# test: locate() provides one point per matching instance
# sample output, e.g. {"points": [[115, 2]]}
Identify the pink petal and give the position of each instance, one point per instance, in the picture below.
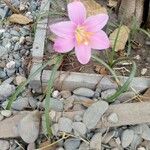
{"points": [[77, 12], [62, 45], [100, 40], [63, 29], [95, 23], [83, 53]]}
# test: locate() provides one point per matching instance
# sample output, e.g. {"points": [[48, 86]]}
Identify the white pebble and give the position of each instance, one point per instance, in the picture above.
{"points": [[55, 94], [11, 65], [143, 71], [6, 113]]}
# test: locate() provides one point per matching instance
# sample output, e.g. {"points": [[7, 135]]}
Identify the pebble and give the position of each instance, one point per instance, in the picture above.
{"points": [[65, 124], [55, 129], [55, 94], [55, 104], [95, 142], [136, 141], [94, 113], [19, 79], [113, 118], [60, 148], [68, 103], [32, 102], [77, 118], [31, 146], [144, 71], [21, 103], [84, 146], [127, 137], [29, 127], [3, 50], [14, 33], [107, 137], [72, 144], [145, 132], [4, 145], [65, 94], [79, 128], [107, 93], [84, 92], [10, 72], [1, 117], [6, 113], [21, 40]]}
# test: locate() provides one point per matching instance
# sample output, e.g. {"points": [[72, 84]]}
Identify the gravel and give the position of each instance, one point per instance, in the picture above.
{"points": [[71, 144]]}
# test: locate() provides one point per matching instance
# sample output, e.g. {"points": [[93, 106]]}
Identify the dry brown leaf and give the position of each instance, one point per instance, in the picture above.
{"points": [[20, 19], [112, 3], [92, 7], [47, 146], [122, 38]]}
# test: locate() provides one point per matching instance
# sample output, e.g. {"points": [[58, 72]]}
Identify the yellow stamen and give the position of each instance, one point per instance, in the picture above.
{"points": [[82, 35]]}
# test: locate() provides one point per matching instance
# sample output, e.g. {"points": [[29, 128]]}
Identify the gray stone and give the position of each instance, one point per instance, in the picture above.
{"points": [[79, 128], [84, 146], [71, 144], [10, 72], [95, 142], [2, 74], [55, 129], [31, 146], [145, 132], [6, 113], [29, 127], [4, 145], [65, 124], [17, 46], [65, 94], [55, 94], [84, 92], [127, 137], [107, 93], [137, 140], [3, 51], [6, 93], [7, 35], [55, 104], [21, 103], [14, 33], [94, 113], [68, 103], [32, 102], [113, 118], [107, 137], [77, 118]]}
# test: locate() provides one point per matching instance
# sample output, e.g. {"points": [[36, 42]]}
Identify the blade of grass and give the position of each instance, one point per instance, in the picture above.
{"points": [[49, 92], [21, 87]]}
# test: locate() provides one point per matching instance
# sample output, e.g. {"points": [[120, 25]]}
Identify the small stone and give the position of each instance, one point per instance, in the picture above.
{"points": [[19, 79], [10, 72], [143, 71], [68, 103], [55, 129], [29, 127], [31, 146], [3, 51], [127, 137], [79, 128], [6, 113], [52, 114], [4, 145], [65, 124], [141, 148], [21, 40], [32, 102], [1, 117], [94, 113], [65, 94], [84, 92], [137, 140], [14, 32], [71, 144], [11, 65], [145, 132], [84, 146], [77, 118], [20, 104], [60, 148], [95, 142], [107, 93], [55, 94], [108, 137], [113, 118]]}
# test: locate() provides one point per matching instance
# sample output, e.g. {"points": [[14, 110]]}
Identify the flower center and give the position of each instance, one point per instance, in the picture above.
{"points": [[82, 35]]}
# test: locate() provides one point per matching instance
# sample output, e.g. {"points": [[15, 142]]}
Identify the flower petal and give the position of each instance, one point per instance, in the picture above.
{"points": [[62, 45], [100, 40], [95, 23], [63, 29], [83, 53], [77, 12]]}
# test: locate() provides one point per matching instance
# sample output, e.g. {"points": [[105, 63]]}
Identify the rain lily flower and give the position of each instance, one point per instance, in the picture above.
{"points": [[80, 32]]}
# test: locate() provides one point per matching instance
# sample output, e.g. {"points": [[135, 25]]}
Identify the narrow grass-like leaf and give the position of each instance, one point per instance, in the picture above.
{"points": [[125, 85], [49, 92]]}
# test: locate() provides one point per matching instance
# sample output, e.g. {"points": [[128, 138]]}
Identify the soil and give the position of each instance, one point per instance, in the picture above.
{"points": [[140, 53]]}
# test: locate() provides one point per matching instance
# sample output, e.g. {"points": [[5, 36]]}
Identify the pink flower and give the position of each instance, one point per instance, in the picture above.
{"points": [[81, 33]]}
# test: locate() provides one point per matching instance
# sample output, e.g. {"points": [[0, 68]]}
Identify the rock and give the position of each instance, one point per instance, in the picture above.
{"points": [[10, 72], [145, 132], [2, 74], [84, 92], [21, 40], [55, 104], [137, 140], [84, 146], [6, 113], [77, 118], [107, 137], [68, 103], [107, 93], [32, 102], [14, 33], [54, 129], [19, 79], [127, 137], [29, 127], [71, 144], [1, 117], [3, 50], [65, 94], [60, 148], [20, 104], [113, 118], [55, 94], [79, 128], [4, 145], [95, 142], [65, 125], [94, 113], [31, 146]]}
